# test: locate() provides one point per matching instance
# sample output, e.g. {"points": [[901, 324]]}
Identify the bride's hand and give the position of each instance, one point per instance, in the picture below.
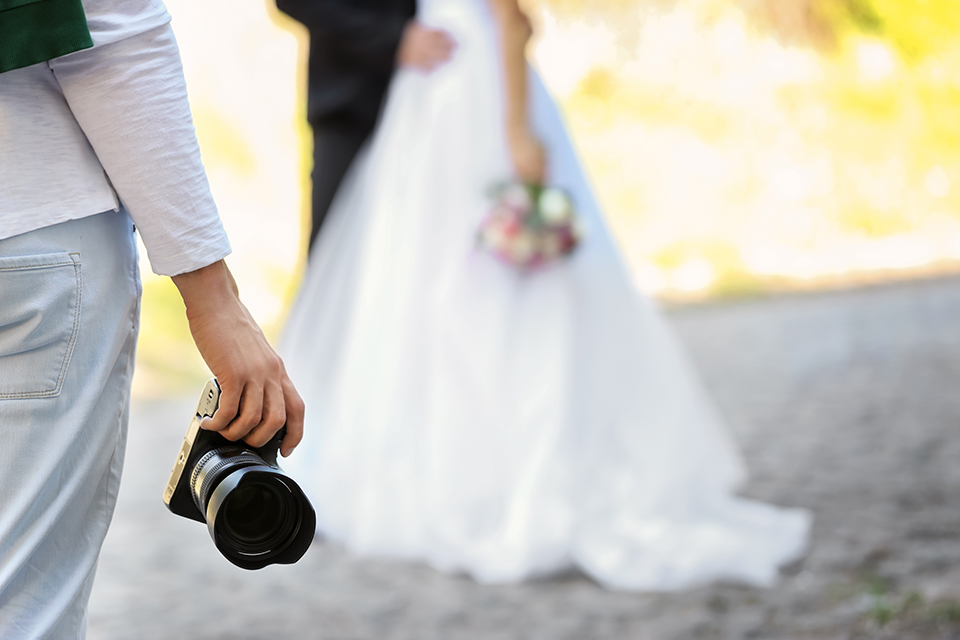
{"points": [[528, 155]]}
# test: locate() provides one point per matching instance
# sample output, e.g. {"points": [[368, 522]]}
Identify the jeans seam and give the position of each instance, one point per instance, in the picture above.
{"points": [[31, 267]]}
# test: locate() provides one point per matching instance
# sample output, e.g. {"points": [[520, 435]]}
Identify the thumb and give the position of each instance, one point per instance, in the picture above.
{"points": [[226, 410]]}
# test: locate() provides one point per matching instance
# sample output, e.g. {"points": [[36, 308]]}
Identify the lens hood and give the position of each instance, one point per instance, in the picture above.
{"points": [[259, 516]]}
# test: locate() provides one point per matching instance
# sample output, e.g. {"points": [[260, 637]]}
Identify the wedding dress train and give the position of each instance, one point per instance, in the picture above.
{"points": [[500, 424]]}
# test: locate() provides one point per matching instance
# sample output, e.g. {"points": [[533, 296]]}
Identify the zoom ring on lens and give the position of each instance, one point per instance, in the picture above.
{"points": [[210, 477]]}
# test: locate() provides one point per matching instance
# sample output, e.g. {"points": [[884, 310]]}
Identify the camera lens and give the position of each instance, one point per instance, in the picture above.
{"points": [[258, 517], [253, 514]]}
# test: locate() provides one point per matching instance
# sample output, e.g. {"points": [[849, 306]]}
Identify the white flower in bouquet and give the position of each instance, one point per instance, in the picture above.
{"points": [[555, 206]]}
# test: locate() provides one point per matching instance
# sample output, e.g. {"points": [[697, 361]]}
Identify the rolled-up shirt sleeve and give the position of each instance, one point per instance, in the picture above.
{"points": [[130, 99]]}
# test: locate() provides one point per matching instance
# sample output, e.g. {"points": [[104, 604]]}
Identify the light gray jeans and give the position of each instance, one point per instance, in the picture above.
{"points": [[69, 314]]}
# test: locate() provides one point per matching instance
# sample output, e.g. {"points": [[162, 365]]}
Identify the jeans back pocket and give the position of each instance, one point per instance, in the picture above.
{"points": [[40, 298]]}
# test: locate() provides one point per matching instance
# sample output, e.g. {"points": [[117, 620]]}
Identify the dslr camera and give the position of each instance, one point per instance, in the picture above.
{"points": [[256, 514]]}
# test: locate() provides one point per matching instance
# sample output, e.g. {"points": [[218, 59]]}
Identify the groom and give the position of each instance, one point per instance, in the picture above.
{"points": [[355, 45]]}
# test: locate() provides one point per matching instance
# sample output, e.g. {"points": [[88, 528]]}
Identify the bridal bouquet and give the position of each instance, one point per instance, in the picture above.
{"points": [[530, 225]]}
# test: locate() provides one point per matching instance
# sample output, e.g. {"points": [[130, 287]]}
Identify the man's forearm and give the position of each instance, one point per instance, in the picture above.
{"points": [[207, 286], [258, 397]]}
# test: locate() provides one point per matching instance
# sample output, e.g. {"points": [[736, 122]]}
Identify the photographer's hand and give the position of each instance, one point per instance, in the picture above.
{"points": [[257, 397]]}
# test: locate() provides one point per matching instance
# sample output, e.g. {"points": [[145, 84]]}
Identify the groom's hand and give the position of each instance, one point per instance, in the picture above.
{"points": [[257, 396], [424, 48]]}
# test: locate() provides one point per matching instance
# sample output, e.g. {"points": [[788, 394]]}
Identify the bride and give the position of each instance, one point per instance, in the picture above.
{"points": [[501, 424]]}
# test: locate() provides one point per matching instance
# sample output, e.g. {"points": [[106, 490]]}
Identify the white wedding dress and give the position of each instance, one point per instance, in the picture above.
{"points": [[499, 424]]}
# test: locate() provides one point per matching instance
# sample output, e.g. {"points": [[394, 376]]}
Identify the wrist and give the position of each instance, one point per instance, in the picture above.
{"points": [[517, 129], [209, 286]]}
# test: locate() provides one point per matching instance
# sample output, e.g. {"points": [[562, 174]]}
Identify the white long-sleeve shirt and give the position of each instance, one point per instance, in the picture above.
{"points": [[111, 124]]}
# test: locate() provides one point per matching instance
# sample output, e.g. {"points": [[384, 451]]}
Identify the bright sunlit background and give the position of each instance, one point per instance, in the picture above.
{"points": [[738, 146]]}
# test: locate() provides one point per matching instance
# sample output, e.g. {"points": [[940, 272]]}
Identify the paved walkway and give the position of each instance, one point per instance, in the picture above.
{"points": [[846, 403]]}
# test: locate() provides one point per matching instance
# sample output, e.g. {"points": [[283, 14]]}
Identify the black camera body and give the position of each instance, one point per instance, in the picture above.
{"points": [[256, 514]]}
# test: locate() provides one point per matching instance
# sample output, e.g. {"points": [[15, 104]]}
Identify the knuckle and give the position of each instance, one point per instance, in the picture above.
{"points": [[244, 424], [297, 407], [228, 406], [275, 419], [275, 363], [232, 434]]}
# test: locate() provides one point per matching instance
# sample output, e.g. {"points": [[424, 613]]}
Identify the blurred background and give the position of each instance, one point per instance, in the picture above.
{"points": [[742, 150], [739, 147]]}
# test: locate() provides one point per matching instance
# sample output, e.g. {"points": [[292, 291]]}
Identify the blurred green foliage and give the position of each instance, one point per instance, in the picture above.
{"points": [[919, 28], [862, 147]]}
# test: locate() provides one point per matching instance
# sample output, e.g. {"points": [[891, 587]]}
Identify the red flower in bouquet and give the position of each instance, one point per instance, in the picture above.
{"points": [[530, 225]]}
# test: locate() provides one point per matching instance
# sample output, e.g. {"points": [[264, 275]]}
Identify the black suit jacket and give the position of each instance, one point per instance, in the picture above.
{"points": [[353, 47]]}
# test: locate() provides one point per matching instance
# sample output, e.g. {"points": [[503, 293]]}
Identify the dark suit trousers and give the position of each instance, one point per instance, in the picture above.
{"points": [[334, 148]]}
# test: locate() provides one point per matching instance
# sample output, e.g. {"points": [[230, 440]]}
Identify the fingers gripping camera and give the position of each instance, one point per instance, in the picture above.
{"points": [[256, 514]]}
